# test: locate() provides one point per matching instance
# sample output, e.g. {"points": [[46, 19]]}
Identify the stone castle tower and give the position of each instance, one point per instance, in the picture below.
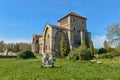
{"points": [[72, 27]]}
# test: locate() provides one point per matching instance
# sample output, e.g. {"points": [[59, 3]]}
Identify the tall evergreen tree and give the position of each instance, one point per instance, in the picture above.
{"points": [[106, 46], [91, 47], [83, 45], [63, 47]]}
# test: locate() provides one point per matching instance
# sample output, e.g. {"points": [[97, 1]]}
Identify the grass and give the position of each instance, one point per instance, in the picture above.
{"points": [[30, 69]]}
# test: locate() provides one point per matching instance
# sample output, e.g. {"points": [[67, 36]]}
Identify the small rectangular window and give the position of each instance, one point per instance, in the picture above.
{"points": [[37, 41], [83, 22], [74, 20]]}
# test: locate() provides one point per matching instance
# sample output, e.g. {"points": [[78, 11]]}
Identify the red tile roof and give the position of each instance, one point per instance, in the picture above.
{"points": [[37, 35], [58, 27], [72, 14]]}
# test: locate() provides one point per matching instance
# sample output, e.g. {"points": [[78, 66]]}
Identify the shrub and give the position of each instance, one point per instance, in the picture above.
{"points": [[80, 54], [85, 55], [105, 55], [102, 50], [108, 55], [91, 48], [73, 56], [25, 54]]}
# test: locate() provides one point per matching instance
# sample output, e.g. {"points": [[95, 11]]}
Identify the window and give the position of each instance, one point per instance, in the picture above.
{"points": [[83, 22], [37, 41], [74, 20], [33, 40], [74, 28], [48, 36]]}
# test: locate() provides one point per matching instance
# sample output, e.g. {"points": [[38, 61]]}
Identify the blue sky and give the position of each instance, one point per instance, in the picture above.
{"points": [[19, 19]]}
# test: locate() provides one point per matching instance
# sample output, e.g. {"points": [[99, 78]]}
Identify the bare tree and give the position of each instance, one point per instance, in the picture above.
{"points": [[113, 33]]}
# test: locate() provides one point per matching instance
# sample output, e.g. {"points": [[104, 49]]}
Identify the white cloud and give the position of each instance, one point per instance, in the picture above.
{"points": [[98, 41], [16, 40]]}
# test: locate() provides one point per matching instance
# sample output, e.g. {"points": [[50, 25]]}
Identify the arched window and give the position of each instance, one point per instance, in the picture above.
{"points": [[74, 28], [37, 41]]}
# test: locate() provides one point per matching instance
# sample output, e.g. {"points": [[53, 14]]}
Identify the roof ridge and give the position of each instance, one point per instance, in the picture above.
{"points": [[38, 35], [73, 14]]}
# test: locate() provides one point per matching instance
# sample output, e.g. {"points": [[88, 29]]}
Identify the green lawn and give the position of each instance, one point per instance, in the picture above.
{"points": [[30, 69]]}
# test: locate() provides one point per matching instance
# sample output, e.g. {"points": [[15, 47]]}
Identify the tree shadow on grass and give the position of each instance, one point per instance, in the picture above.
{"points": [[52, 67], [8, 56]]}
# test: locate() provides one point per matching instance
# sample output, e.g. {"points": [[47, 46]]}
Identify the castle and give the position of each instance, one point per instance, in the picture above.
{"points": [[72, 27]]}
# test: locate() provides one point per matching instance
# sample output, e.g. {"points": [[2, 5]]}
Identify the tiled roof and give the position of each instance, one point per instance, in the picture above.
{"points": [[58, 27], [72, 14], [37, 35]]}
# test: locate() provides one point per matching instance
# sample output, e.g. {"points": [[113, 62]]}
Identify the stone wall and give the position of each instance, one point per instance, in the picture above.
{"points": [[72, 28], [35, 43]]}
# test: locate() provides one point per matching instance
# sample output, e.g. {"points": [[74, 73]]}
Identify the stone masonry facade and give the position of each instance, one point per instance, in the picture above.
{"points": [[72, 27]]}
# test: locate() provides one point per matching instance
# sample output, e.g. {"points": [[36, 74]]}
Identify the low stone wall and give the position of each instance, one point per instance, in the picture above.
{"points": [[11, 54], [1, 53], [8, 53]]}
